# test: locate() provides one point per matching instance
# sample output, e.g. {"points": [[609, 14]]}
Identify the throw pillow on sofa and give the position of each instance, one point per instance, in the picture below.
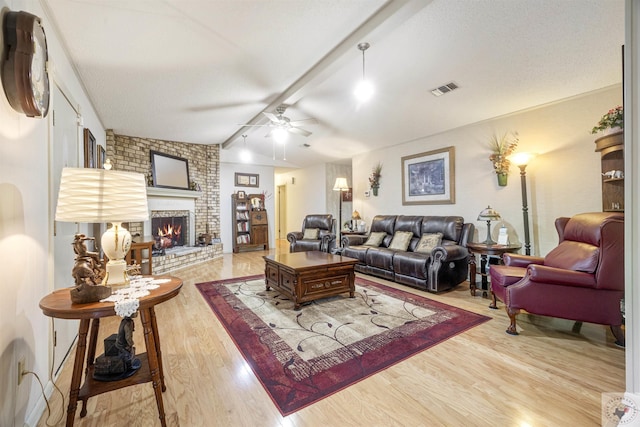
{"points": [[428, 241], [311, 234], [401, 240], [375, 239]]}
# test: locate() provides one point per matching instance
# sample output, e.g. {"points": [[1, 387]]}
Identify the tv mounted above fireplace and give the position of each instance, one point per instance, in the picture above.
{"points": [[169, 171]]}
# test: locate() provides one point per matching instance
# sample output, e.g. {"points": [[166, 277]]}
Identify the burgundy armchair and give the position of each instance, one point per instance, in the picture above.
{"points": [[581, 279]]}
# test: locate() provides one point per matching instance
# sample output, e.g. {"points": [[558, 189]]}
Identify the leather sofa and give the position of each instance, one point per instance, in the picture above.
{"points": [[445, 267], [324, 238], [582, 279]]}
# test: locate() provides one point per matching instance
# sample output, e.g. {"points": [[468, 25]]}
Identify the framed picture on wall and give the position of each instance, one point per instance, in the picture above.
{"points": [[89, 149], [169, 171], [247, 179], [102, 157], [347, 196], [429, 178]]}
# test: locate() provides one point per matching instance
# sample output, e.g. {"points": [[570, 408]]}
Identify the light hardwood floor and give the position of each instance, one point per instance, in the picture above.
{"points": [[547, 376]]}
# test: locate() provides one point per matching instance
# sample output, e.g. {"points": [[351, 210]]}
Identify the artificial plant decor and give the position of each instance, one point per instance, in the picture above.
{"points": [[502, 147], [374, 179], [613, 119]]}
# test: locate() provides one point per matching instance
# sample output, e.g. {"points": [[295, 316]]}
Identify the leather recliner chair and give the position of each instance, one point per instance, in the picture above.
{"points": [[581, 279], [324, 241]]}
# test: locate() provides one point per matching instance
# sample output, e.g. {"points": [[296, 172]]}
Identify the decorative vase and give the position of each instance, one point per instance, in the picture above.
{"points": [[502, 179], [375, 190], [611, 130]]}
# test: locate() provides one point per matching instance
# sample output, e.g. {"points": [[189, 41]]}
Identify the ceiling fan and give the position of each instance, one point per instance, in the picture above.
{"points": [[279, 122]]}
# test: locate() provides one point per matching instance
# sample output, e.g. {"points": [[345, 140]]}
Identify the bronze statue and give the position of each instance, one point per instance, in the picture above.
{"points": [[88, 273]]}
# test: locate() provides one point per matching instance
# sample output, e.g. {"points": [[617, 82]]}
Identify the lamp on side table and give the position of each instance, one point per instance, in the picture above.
{"points": [[94, 196], [489, 214]]}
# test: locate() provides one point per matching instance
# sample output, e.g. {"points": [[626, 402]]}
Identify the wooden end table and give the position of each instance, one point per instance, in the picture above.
{"points": [[58, 305], [486, 252], [308, 276]]}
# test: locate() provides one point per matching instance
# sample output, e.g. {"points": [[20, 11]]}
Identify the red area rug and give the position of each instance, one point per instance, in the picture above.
{"points": [[303, 356]]}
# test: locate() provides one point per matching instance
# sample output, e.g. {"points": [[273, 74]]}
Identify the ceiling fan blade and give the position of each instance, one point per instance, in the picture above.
{"points": [[299, 131], [310, 121], [248, 125], [272, 117]]}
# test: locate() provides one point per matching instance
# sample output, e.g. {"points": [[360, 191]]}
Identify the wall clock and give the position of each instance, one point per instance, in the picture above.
{"points": [[24, 66]]}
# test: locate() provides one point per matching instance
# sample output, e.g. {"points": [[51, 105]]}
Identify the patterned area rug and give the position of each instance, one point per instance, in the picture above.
{"points": [[303, 356]]}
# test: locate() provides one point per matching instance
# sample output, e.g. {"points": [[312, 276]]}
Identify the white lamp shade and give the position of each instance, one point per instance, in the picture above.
{"points": [[521, 159], [341, 184], [98, 195]]}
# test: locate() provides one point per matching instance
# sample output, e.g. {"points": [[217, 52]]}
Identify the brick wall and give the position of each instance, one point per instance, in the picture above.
{"points": [[128, 153]]}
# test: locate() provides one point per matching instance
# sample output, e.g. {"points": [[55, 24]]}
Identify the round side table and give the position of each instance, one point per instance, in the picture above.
{"points": [[58, 305], [486, 252]]}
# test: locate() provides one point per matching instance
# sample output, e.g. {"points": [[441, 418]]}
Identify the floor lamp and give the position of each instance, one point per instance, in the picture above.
{"points": [[340, 185], [522, 160]]}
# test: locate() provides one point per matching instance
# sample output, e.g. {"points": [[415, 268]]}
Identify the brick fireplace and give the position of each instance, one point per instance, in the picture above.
{"points": [[170, 229], [201, 208]]}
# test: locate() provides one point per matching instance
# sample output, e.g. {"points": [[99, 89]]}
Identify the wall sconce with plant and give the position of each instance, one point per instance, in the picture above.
{"points": [[612, 121], [374, 179], [502, 147]]}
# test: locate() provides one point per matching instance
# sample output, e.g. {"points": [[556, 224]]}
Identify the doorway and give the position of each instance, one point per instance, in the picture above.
{"points": [[64, 153]]}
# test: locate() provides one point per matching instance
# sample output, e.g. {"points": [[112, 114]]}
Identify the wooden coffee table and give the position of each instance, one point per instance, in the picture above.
{"points": [[307, 276]]}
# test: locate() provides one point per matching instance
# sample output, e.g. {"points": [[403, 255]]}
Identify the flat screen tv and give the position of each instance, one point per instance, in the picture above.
{"points": [[169, 171]]}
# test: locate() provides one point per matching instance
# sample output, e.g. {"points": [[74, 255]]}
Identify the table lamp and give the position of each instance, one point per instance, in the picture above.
{"points": [[98, 195], [355, 220], [488, 214]]}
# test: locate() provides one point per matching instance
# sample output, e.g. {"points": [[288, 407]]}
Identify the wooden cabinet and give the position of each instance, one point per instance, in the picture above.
{"points": [[611, 149], [259, 228], [250, 225]]}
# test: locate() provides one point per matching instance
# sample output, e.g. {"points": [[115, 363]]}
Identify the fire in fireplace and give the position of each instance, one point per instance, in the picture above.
{"points": [[168, 232]]}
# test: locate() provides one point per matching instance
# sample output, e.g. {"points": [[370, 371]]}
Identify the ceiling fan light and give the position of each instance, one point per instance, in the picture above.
{"points": [[363, 91], [279, 134]]}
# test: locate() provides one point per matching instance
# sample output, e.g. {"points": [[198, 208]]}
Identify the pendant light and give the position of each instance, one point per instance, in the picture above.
{"points": [[245, 154], [364, 89]]}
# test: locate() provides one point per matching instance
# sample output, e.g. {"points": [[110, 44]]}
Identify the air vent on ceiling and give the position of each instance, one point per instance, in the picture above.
{"points": [[444, 89]]}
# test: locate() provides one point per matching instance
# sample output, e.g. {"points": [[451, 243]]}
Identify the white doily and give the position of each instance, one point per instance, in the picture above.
{"points": [[127, 300]]}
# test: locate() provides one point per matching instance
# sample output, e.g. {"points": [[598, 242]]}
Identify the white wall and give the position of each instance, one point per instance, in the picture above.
{"points": [[563, 180], [25, 230], [306, 194], [227, 188]]}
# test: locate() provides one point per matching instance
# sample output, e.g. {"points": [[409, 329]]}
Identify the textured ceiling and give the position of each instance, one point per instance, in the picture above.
{"points": [[192, 71]]}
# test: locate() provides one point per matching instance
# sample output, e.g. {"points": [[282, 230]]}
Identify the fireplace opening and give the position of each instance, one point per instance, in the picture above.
{"points": [[169, 232]]}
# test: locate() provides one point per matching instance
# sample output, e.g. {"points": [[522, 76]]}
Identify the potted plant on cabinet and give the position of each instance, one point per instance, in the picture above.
{"points": [[501, 148], [612, 121]]}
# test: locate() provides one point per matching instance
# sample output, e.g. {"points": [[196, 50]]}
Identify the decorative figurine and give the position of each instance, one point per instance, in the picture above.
{"points": [[88, 272]]}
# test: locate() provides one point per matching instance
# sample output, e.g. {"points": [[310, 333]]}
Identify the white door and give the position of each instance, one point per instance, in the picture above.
{"points": [[64, 153]]}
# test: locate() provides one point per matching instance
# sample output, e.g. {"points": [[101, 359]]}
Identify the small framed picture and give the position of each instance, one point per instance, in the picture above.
{"points": [[347, 196], [89, 149], [247, 179], [241, 194], [102, 157]]}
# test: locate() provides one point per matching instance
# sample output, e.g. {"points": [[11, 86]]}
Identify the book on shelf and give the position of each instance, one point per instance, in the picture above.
{"points": [[243, 239]]}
